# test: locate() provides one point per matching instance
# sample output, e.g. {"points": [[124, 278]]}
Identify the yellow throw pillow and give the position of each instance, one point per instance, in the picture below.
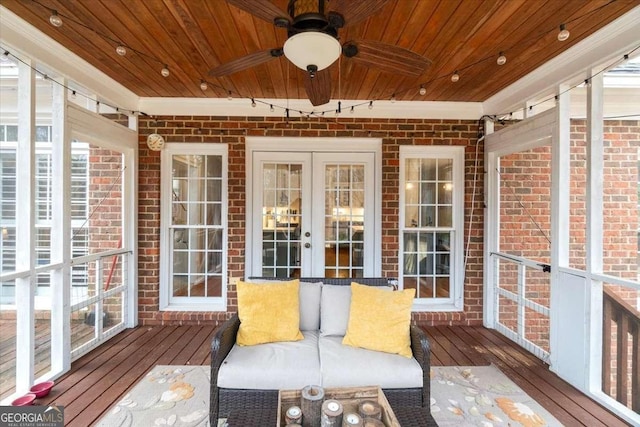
{"points": [[380, 320], [268, 312]]}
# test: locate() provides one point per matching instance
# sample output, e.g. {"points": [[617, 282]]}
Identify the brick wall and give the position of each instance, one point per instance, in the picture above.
{"points": [[232, 131], [105, 222]]}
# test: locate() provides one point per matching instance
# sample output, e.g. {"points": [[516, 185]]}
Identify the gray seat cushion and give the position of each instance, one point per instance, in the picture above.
{"points": [[272, 366], [346, 366]]}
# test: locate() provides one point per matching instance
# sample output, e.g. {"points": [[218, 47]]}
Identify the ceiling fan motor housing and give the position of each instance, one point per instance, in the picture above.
{"points": [[312, 44], [307, 14]]}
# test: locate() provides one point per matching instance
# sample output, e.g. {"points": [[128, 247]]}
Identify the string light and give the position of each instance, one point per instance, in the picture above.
{"points": [[271, 108], [5, 57], [501, 59], [253, 103], [352, 110], [563, 34], [121, 50], [165, 71], [229, 96], [422, 90], [55, 19], [370, 105], [393, 98], [455, 76], [203, 85]]}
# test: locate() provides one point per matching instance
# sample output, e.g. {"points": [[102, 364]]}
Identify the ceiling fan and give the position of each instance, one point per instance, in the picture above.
{"points": [[313, 42]]}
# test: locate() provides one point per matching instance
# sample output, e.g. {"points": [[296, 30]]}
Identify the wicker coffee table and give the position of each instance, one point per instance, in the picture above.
{"points": [[408, 416]]}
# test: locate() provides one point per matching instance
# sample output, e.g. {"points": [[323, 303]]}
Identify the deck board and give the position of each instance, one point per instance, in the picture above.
{"points": [[98, 380]]}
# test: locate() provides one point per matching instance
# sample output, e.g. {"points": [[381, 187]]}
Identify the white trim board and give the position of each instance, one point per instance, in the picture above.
{"points": [[242, 107]]}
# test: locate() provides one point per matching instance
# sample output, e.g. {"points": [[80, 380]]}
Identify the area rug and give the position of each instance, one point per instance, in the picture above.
{"points": [[167, 396], [483, 396]]}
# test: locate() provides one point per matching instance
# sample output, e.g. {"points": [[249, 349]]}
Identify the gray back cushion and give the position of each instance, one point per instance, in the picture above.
{"points": [[334, 315], [310, 306]]}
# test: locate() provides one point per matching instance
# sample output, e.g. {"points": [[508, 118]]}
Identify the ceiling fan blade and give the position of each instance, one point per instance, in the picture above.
{"points": [[354, 11], [245, 62], [387, 57], [319, 87], [261, 9]]}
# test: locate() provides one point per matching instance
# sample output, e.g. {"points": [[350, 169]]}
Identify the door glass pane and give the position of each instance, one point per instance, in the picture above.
{"points": [[344, 220], [281, 219]]}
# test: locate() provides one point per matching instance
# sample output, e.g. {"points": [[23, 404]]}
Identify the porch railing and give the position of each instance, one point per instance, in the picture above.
{"points": [[621, 319]]}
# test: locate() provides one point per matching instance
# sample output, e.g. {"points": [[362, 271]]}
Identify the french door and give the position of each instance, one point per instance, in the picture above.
{"points": [[313, 214]]}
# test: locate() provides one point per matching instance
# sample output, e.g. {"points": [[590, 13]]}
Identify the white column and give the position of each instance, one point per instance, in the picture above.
{"points": [[569, 330], [562, 335], [595, 170], [560, 180], [60, 233], [25, 227], [491, 228]]}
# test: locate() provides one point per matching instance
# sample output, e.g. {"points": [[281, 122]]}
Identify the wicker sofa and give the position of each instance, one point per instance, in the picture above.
{"points": [[224, 400]]}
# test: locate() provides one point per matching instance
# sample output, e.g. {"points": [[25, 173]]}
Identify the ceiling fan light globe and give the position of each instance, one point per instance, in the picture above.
{"points": [[312, 48]]}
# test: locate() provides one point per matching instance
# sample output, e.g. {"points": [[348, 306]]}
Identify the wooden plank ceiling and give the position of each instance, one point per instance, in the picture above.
{"points": [[195, 36]]}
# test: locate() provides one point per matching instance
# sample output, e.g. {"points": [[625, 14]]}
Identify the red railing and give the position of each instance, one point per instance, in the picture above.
{"points": [[621, 350]]}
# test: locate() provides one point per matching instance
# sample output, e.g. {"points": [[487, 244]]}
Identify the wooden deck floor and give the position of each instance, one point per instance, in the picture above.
{"points": [[102, 377]]}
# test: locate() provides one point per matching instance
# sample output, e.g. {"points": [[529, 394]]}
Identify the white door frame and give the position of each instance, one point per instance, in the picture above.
{"points": [[316, 145]]}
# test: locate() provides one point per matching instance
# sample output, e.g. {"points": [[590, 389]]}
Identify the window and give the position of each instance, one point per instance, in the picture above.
{"points": [[194, 207], [431, 225]]}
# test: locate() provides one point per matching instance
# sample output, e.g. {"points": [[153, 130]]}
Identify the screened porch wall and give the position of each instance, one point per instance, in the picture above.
{"points": [[526, 179], [232, 131]]}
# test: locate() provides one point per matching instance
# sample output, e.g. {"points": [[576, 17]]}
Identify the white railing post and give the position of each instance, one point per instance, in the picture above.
{"points": [[60, 233], [594, 227], [25, 287]]}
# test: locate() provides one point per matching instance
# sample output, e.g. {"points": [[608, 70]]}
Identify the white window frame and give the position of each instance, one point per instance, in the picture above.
{"points": [[166, 260], [455, 302]]}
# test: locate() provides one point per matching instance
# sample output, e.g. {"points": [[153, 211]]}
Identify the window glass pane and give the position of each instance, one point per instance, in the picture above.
{"points": [[214, 166], [12, 133], [445, 216], [428, 169], [43, 134], [445, 168], [79, 178]]}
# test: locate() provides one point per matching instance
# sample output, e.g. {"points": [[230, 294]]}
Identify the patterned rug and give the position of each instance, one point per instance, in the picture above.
{"points": [[483, 396]]}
